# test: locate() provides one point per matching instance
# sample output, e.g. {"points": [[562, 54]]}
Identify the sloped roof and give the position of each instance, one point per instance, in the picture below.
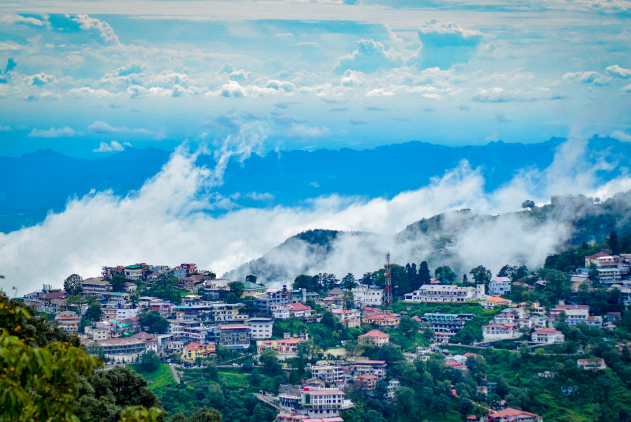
{"points": [[375, 333]]}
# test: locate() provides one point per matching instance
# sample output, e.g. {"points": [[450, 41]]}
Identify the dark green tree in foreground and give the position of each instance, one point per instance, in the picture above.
{"points": [[150, 361]]}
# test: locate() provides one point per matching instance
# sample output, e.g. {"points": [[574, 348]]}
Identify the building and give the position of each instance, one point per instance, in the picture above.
{"points": [[330, 374], [500, 286], [261, 327], [446, 293], [189, 331], [495, 301], [511, 415], [374, 337], [350, 318], [506, 316], [96, 286], [382, 320], [266, 301], [547, 336], [192, 351], [392, 388], [446, 326], [574, 314], [323, 402], [69, 321], [368, 382], [367, 296], [234, 336], [594, 364], [378, 368], [495, 332], [122, 349], [136, 272]]}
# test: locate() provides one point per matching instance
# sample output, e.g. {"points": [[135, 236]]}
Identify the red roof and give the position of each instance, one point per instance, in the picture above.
{"points": [[509, 411], [299, 307], [547, 331], [367, 377], [233, 327], [598, 255], [370, 362], [375, 333]]}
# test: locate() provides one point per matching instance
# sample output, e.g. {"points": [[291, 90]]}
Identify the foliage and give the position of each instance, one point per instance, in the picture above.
{"points": [[445, 274], [150, 361], [481, 275], [408, 326], [95, 349], [349, 282], [165, 287], [118, 282], [73, 284], [156, 322], [251, 279]]}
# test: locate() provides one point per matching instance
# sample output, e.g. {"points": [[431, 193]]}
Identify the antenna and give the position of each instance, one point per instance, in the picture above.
{"points": [[387, 297]]}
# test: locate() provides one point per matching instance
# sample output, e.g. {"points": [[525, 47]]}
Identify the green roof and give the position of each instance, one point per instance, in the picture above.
{"points": [[134, 267]]}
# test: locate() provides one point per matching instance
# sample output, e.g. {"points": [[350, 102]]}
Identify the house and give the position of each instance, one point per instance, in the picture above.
{"points": [[350, 318], [392, 387], [382, 320], [374, 337], [506, 316], [574, 313], [456, 365], [314, 402], [136, 272], [330, 374], [446, 293], [500, 286], [261, 327], [511, 415], [265, 301], [378, 368], [494, 302], [368, 382], [594, 321], [548, 336], [130, 287], [287, 348], [122, 349], [69, 321], [334, 297], [193, 351], [593, 364], [495, 332], [367, 296], [96, 286], [613, 316], [446, 326], [234, 336]]}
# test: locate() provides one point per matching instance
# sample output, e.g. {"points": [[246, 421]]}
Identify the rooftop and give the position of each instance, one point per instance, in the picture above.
{"points": [[375, 333]]}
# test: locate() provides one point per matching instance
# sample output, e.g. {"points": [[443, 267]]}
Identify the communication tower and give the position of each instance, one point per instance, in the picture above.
{"points": [[387, 295]]}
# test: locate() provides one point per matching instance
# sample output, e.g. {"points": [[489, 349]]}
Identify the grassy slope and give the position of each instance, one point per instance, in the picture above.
{"points": [[161, 377]]}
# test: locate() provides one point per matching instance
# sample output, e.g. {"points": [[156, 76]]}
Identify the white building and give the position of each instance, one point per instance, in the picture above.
{"points": [[331, 375], [446, 293], [122, 314], [367, 296], [495, 332], [324, 402], [500, 286], [261, 327], [511, 415], [548, 336]]}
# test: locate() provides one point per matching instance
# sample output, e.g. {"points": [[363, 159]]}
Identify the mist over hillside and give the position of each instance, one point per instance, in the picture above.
{"points": [[36, 183], [460, 239]]}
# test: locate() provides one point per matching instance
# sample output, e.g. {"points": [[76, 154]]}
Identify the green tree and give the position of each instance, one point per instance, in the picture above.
{"points": [[390, 353], [150, 361], [527, 204], [94, 311], [481, 274], [205, 414], [408, 326], [95, 349], [271, 366], [237, 288], [73, 284], [328, 319], [348, 299], [156, 322], [304, 281], [445, 274], [613, 243], [251, 279], [373, 416], [118, 282], [424, 276], [349, 282]]}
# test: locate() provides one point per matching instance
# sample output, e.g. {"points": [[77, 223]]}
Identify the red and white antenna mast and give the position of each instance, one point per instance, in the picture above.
{"points": [[387, 296]]}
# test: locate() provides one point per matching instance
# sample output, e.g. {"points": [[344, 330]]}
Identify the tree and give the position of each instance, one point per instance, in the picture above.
{"points": [[237, 288], [507, 271], [424, 276], [381, 390], [390, 353], [294, 377], [118, 282], [528, 204], [613, 243], [156, 322], [373, 416], [73, 284], [95, 349], [445, 274], [349, 282], [251, 279], [271, 366], [465, 279], [94, 311], [150, 361], [205, 414], [255, 377], [212, 372], [348, 299], [304, 281], [328, 319], [408, 326], [481, 274]]}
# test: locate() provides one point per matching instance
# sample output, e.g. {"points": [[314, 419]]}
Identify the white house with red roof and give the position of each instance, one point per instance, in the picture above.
{"points": [[511, 415], [548, 336], [375, 337], [495, 332]]}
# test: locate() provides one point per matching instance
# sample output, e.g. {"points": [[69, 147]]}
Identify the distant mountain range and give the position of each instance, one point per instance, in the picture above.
{"points": [[35, 183], [316, 251]]}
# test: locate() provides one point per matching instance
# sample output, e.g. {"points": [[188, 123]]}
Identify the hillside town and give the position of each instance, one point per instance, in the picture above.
{"points": [[187, 317]]}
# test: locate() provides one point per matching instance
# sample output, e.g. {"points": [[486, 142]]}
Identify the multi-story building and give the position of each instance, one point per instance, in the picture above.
{"points": [[573, 313], [548, 336], [96, 286], [506, 316], [266, 301], [367, 296], [594, 364], [323, 402], [192, 351], [330, 374], [446, 293], [136, 271], [378, 368], [122, 349], [392, 387], [286, 348], [446, 326], [126, 313], [374, 337], [261, 327], [69, 321], [382, 320], [234, 336], [500, 286], [191, 331], [368, 382], [494, 332]]}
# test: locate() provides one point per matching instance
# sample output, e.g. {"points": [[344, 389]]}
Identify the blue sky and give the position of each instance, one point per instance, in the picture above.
{"points": [[310, 74]]}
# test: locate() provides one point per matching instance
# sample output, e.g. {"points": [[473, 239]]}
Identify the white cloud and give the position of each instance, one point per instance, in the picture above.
{"points": [[621, 136], [25, 20], [5, 128], [86, 91], [619, 72], [590, 77], [112, 146], [301, 131], [352, 78], [103, 28], [369, 57], [101, 127], [64, 132]]}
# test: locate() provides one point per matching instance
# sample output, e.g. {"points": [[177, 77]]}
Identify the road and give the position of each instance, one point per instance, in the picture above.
{"points": [[175, 375]]}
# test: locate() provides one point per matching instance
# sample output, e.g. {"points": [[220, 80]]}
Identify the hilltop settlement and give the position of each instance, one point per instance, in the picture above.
{"points": [[398, 344]]}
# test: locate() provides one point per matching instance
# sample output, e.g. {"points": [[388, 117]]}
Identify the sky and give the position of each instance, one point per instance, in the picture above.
{"points": [[88, 78]]}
